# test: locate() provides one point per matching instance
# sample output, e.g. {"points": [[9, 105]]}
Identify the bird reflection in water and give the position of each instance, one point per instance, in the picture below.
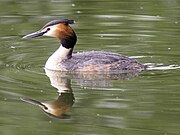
{"points": [[56, 108], [62, 82]]}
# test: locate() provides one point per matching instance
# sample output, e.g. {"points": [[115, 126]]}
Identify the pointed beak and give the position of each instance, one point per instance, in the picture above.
{"points": [[35, 34]]}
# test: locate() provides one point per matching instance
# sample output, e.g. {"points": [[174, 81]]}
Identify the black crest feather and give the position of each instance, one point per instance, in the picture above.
{"points": [[54, 22]]}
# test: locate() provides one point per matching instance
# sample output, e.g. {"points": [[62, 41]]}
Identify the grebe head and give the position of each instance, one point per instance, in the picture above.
{"points": [[59, 29]]}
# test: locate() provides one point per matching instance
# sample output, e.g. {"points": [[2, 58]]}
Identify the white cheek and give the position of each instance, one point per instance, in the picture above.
{"points": [[51, 32]]}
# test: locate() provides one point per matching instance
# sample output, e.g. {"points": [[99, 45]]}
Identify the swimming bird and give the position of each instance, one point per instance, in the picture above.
{"points": [[63, 59]]}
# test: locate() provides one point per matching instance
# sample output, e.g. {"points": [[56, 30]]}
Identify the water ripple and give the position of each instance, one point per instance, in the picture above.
{"points": [[169, 67]]}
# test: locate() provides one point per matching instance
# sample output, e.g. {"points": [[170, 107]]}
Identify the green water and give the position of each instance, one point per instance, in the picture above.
{"points": [[147, 103]]}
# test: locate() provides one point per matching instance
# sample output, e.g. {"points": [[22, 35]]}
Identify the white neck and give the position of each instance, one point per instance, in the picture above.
{"points": [[53, 62]]}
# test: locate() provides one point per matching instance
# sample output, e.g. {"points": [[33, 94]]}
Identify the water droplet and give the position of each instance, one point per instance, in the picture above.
{"points": [[141, 7], [176, 22], [12, 47], [78, 12]]}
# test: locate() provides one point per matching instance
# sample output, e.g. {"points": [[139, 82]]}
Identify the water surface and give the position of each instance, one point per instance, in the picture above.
{"points": [[128, 104]]}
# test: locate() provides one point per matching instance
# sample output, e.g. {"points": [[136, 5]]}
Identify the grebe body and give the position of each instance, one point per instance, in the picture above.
{"points": [[64, 60], [99, 61]]}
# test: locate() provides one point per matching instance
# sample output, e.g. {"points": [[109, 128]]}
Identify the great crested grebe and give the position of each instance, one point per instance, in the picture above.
{"points": [[64, 60]]}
